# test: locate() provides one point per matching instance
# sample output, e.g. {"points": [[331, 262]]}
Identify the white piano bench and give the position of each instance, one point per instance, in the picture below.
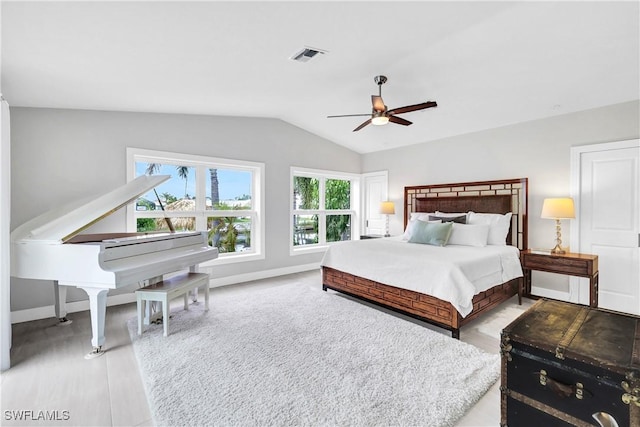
{"points": [[169, 289]]}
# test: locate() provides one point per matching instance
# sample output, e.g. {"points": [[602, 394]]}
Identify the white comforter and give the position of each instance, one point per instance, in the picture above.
{"points": [[452, 273]]}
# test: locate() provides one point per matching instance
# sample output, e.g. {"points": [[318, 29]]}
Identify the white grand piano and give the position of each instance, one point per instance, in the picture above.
{"points": [[50, 247]]}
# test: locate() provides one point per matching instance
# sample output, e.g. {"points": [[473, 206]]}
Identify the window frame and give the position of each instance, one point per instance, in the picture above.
{"points": [[322, 176], [201, 164]]}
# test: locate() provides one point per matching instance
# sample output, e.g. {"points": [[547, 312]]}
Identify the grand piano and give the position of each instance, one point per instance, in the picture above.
{"points": [[51, 247]]}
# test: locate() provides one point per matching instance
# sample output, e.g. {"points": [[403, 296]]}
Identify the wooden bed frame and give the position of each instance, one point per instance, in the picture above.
{"points": [[501, 197]]}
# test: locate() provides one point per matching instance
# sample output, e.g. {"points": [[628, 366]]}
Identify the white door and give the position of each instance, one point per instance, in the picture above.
{"points": [[375, 191], [5, 213], [608, 220]]}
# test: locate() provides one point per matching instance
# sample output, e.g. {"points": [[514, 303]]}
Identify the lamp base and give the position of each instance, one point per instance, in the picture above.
{"points": [[558, 249], [386, 227]]}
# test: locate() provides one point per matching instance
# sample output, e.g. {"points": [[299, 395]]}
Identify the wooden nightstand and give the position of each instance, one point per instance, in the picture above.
{"points": [[572, 264]]}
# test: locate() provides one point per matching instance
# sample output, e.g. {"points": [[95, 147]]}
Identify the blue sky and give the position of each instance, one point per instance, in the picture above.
{"points": [[232, 183]]}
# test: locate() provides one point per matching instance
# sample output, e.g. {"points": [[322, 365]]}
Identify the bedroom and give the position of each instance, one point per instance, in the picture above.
{"points": [[60, 141]]}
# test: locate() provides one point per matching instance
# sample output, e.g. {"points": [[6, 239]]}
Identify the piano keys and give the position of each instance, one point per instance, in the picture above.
{"points": [[51, 247]]}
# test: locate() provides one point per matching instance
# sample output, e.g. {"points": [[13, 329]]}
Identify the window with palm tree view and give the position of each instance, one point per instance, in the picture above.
{"points": [[323, 208], [202, 194]]}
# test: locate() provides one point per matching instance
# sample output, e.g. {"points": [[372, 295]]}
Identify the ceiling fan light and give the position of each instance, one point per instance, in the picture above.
{"points": [[380, 120]]}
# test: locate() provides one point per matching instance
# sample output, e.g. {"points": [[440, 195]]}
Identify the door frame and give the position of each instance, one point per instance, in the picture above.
{"points": [[577, 151]]}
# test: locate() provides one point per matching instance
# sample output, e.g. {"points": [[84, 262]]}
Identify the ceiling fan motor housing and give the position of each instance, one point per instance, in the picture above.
{"points": [[380, 80]]}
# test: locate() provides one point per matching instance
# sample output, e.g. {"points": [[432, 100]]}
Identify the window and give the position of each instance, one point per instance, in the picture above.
{"points": [[222, 197], [324, 208]]}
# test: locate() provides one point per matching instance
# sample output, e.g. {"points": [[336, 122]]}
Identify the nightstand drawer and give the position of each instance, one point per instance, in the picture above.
{"points": [[562, 265], [572, 264]]}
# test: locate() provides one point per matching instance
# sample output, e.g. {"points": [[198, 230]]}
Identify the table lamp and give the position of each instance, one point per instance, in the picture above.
{"points": [[558, 208], [387, 208]]}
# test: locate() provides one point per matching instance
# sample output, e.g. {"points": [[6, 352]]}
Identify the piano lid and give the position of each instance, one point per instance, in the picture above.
{"points": [[61, 224]]}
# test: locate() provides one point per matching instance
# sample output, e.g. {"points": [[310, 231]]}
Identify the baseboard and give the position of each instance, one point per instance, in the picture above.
{"points": [[72, 307], [550, 293], [46, 312], [264, 274]]}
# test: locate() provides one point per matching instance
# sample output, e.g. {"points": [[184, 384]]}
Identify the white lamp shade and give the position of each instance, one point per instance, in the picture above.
{"points": [[387, 208], [558, 208], [380, 120]]}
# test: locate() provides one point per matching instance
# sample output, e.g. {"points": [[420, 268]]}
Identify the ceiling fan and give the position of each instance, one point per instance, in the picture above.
{"points": [[380, 115]]}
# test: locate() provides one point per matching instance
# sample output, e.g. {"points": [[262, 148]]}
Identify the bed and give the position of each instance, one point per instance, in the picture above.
{"points": [[395, 291]]}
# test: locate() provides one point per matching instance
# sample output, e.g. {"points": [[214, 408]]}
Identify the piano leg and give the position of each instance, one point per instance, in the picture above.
{"points": [[98, 309], [194, 293], [60, 296]]}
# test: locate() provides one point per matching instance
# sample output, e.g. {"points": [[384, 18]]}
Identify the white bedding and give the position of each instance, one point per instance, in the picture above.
{"points": [[452, 273]]}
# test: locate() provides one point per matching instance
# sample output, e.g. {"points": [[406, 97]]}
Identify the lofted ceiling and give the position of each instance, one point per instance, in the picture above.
{"points": [[486, 64]]}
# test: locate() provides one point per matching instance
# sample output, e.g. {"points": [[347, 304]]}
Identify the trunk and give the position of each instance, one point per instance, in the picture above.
{"points": [[568, 364]]}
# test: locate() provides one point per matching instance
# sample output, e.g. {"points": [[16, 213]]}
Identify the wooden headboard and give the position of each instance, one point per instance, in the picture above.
{"points": [[500, 196]]}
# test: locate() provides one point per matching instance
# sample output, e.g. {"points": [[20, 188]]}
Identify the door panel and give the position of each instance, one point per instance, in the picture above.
{"points": [[608, 216], [616, 272]]}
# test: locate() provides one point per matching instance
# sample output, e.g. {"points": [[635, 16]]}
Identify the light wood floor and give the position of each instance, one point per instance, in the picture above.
{"points": [[49, 372]]}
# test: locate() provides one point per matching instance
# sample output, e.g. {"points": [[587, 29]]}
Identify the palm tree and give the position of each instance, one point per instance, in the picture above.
{"points": [[215, 193], [214, 233], [183, 172], [152, 168], [224, 233]]}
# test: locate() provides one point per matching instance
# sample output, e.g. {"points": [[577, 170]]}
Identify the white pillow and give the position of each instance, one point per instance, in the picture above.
{"points": [[469, 235], [411, 225], [422, 216], [498, 226]]}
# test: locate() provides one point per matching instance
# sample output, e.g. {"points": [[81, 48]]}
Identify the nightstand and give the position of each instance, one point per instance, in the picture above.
{"points": [[370, 236], [571, 264]]}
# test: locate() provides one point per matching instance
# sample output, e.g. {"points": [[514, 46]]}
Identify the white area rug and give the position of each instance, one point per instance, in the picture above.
{"points": [[295, 355]]}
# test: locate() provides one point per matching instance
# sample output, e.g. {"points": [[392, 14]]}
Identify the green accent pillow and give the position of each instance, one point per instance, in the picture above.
{"points": [[429, 233]]}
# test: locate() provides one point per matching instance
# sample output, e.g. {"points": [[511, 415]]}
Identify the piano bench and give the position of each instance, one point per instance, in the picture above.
{"points": [[169, 289]]}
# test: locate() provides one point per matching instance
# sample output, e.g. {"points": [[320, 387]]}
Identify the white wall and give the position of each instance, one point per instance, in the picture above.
{"points": [[62, 155], [538, 150]]}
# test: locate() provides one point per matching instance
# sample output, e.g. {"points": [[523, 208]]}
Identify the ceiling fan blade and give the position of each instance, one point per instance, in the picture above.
{"points": [[399, 120], [377, 102], [349, 115], [362, 125], [409, 108]]}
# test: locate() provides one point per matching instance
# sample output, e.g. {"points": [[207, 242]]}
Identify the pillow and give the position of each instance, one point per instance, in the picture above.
{"points": [[469, 235], [411, 225], [498, 226], [431, 234], [462, 219], [451, 214], [422, 216]]}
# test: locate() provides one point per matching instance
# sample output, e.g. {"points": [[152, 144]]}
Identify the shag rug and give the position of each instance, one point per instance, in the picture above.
{"points": [[293, 354]]}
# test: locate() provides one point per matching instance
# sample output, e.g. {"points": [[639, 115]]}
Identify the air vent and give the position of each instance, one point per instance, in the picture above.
{"points": [[306, 54]]}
